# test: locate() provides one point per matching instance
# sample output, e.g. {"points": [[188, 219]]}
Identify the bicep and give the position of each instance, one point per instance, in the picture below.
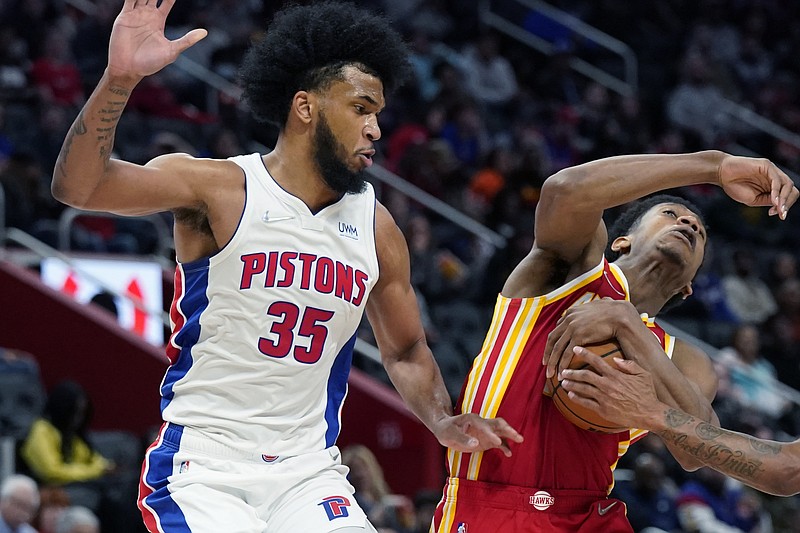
{"points": [[165, 183], [571, 231], [392, 308]]}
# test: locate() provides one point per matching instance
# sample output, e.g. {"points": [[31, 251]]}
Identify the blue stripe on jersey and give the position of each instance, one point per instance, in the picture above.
{"points": [[337, 388], [191, 306], [160, 463]]}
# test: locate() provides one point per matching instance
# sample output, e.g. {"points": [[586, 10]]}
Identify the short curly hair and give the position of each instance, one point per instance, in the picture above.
{"points": [[631, 217], [307, 47]]}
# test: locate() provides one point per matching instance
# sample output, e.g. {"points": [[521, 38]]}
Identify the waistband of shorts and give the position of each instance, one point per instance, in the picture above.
{"points": [[525, 498], [190, 439]]}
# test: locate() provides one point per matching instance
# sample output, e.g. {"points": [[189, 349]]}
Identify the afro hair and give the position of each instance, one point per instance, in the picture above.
{"points": [[306, 48], [630, 218]]}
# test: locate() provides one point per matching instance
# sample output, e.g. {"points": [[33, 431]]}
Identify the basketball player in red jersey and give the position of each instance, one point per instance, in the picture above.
{"points": [[623, 392], [558, 479]]}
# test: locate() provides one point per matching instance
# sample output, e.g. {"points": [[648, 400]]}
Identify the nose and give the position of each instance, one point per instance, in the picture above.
{"points": [[371, 129], [691, 221]]}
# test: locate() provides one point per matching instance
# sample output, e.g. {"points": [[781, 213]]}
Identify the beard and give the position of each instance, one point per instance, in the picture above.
{"points": [[328, 158]]}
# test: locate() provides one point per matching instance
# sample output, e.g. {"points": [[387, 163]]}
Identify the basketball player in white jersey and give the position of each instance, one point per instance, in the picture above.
{"points": [[279, 255]]}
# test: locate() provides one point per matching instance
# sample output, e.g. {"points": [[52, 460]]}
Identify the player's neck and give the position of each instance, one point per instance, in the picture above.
{"points": [[294, 170], [649, 291]]}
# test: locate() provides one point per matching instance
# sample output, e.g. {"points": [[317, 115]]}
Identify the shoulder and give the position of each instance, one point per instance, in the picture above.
{"points": [[187, 165], [388, 236], [390, 247]]}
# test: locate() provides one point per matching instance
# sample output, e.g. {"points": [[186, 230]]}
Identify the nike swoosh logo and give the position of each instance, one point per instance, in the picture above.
{"points": [[603, 510], [267, 218]]}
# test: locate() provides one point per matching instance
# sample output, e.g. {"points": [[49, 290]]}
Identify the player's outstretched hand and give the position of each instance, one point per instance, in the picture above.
{"points": [[758, 182], [138, 46], [621, 391], [591, 323], [470, 433]]}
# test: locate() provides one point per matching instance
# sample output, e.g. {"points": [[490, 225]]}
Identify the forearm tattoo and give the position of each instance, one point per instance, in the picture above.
{"points": [[78, 128], [109, 115], [718, 448]]}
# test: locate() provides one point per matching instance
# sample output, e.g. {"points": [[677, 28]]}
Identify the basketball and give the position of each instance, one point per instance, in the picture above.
{"points": [[581, 416]]}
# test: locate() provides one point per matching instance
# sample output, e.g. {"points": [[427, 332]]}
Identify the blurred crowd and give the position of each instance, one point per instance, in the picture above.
{"points": [[480, 126]]}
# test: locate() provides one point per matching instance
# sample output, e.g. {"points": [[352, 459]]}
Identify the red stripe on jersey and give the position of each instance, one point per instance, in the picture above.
{"points": [[148, 516], [494, 355], [175, 315]]}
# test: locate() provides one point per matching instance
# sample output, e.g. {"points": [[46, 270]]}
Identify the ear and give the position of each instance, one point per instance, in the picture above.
{"points": [[622, 244], [686, 290], [303, 106]]}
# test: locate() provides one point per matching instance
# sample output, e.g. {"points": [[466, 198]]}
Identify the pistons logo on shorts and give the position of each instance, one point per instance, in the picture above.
{"points": [[335, 506]]}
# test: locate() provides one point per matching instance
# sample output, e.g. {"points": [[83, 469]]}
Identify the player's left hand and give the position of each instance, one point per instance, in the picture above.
{"points": [[590, 323], [471, 433], [758, 182]]}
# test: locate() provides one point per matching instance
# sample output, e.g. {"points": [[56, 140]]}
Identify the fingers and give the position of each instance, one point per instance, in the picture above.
{"points": [[783, 192], [479, 434], [578, 389], [584, 401], [502, 428], [594, 360], [503, 432], [128, 5], [565, 360], [190, 39], [166, 5]]}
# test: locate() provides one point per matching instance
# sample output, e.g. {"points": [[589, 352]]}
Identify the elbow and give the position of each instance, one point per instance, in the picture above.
{"points": [[567, 183], [68, 195], [788, 484]]}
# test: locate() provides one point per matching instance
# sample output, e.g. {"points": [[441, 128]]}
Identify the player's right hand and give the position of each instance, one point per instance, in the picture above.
{"points": [[757, 182], [138, 47]]}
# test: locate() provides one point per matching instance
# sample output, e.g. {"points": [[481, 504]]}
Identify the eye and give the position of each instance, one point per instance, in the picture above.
{"points": [[360, 109], [671, 213]]}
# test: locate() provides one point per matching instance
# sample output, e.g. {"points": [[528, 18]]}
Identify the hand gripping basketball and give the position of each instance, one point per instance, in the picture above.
{"points": [[579, 415]]}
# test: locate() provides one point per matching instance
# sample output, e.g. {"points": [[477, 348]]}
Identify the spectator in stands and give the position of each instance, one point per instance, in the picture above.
{"points": [[697, 105], [649, 496], [466, 132], [491, 79], [745, 292], [752, 377], [54, 501], [55, 73], [712, 503], [58, 452], [782, 267], [373, 494], [425, 501], [19, 501], [77, 519]]}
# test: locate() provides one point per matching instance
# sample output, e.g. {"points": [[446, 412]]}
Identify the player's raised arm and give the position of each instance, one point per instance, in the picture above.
{"points": [[573, 200], [624, 393], [85, 176]]}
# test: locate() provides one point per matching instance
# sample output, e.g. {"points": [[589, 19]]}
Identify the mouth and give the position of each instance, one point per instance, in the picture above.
{"points": [[686, 236], [366, 157]]}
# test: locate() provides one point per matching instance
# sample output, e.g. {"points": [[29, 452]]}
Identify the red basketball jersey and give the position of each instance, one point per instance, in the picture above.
{"points": [[507, 379]]}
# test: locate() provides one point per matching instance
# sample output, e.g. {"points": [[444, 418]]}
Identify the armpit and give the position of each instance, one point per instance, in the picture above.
{"points": [[194, 219]]}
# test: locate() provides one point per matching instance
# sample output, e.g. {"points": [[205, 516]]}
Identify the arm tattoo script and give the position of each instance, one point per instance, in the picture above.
{"points": [[78, 128], [718, 448]]}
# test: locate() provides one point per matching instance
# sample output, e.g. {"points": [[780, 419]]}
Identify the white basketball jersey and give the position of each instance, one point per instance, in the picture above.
{"points": [[263, 330]]}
